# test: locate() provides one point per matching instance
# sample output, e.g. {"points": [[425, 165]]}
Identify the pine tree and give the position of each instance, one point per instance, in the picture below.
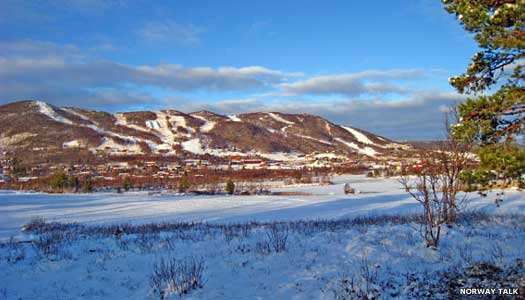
{"points": [[58, 182], [230, 187], [87, 186], [494, 121], [72, 183], [127, 183], [184, 184]]}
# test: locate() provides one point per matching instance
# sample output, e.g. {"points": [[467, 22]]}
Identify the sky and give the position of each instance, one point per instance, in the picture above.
{"points": [[382, 66]]}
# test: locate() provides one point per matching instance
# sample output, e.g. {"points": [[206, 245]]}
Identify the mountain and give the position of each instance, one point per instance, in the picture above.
{"points": [[42, 131]]}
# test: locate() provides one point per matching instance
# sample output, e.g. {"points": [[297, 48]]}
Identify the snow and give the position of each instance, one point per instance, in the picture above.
{"points": [[367, 150], [207, 126], [47, 110], [378, 196], [314, 139], [280, 119], [365, 140], [281, 156], [163, 131], [74, 112], [329, 155], [50, 112], [122, 121], [358, 135], [328, 128], [71, 144], [117, 148], [234, 118], [193, 146], [161, 128], [236, 264], [153, 124], [222, 152], [178, 121]]}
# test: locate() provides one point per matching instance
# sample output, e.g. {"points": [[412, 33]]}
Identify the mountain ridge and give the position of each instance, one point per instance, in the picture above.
{"points": [[28, 125]]}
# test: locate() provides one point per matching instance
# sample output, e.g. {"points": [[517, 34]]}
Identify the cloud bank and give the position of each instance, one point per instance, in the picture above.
{"points": [[381, 101]]}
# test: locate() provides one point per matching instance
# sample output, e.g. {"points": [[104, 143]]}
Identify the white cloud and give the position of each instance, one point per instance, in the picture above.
{"points": [[36, 69], [64, 75], [353, 84], [419, 116]]}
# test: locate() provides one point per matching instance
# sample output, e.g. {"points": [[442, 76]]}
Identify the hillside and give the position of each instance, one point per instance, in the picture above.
{"points": [[43, 130]]}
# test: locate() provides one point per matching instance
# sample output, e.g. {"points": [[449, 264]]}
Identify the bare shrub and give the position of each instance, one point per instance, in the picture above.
{"points": [[262, 247], [277, 237], [231, 231], [52, 244], [365, 286], [35, 224], [179, 277], [436, 187], [146, 242], [15, 251]]}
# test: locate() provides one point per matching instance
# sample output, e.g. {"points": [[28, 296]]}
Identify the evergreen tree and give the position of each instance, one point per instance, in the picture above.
{"points": [[87, 186], [494, 120], [58, 182], [127, 183], [230, 187], [73, 183], [184, 184]]}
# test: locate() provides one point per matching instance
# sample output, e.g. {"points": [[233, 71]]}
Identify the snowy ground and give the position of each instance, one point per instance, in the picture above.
{"points": [[378, 196], [381, 258]]}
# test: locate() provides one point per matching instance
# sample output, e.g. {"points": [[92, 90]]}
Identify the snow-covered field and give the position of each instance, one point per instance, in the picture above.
{"points": [[378, 196], [316, 259]]}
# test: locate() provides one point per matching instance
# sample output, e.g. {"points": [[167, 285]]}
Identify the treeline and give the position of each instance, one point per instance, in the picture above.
{"points": [[201, 181]]}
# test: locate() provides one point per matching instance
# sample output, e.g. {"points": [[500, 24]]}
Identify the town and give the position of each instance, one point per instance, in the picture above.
{"points": [[109, 172]]}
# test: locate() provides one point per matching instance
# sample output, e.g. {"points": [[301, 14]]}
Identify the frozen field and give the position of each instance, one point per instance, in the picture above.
{"points": [[378, 196], [373, 257]]}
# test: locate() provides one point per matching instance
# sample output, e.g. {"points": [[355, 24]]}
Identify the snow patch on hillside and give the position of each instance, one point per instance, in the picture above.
{"points": [[207, 126], [153, 124], [76, 113], [314, 139], [119, 149], [47, 110], [178, 121], [193, 146], [72, 144], [365, 140], [164, 132], [281, 156], [122, 121], [367, 150], [358, 135], [328, 128], [234, 118], [329, 156], [222, 152], [280, 119]]}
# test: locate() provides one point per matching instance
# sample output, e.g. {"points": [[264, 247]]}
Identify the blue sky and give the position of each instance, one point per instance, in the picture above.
{"points": [[378, 65]]}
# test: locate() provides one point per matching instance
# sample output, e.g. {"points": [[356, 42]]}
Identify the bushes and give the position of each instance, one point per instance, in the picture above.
{"points": [[58, 182], [178, 277], [364, 286], [277, 237]]}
